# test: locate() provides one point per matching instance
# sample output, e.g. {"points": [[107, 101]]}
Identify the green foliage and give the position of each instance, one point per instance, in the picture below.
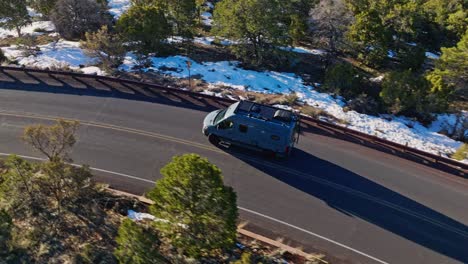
{"points": [[381, 26], [106, 46], [14, 15], [201, 212], [182, 15], [146, 25], [461, 153], [343, 79], [91, 254], [45, 7], [409, 94], [260, 26], [137, 245], [19, 193], [6, 225], [246, 258], [451, 70], [449, 16]]}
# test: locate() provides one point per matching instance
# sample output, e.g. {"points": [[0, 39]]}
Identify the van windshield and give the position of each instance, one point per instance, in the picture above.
{"points": [[219, 116]]}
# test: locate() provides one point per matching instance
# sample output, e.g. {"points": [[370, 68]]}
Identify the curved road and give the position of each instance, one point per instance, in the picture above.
{"points": [[356, 203]]}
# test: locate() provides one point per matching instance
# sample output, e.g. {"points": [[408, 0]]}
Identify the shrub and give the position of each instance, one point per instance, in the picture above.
{"points": [[201, 212], [408, 94], [145, 25], [73, 18], [106, 46], [461, 153], [343, 79], [136, 244]]}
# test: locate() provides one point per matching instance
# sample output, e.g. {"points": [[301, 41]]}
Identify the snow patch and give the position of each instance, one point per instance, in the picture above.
{"points": [[431, 55], [118, 7], [58, 54]]}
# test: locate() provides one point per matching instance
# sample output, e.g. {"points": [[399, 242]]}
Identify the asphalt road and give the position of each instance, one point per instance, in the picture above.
{"points": [[356, 203]]}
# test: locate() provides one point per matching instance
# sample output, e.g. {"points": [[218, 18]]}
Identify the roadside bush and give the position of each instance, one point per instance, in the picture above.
{"points": [[73, 18], [343, 79], [135, 244], [405, 93], [461, 153], [146, 26], [106, 46], [200, 226]]}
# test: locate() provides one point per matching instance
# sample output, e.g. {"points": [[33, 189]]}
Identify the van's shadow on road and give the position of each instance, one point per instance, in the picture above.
{"points": [[356, 196]]}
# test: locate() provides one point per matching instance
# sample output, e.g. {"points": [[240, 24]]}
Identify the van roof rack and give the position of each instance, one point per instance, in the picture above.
{"points": [[265, 112]]}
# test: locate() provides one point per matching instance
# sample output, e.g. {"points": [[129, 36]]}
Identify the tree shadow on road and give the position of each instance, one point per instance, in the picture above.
{"points": [[357, 196]]}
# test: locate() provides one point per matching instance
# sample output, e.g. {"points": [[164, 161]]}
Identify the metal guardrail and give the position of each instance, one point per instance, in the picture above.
{"points": [[461, 169]]}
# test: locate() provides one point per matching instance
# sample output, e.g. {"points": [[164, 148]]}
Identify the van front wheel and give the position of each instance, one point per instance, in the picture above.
{"points": [[214, 139]]}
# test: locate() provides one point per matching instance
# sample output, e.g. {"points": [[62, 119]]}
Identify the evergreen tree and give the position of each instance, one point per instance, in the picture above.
{"points": [[19, 193], [14, 15], [451, 72], [137, 245], [450, 16], [260, 26], [45, 7], [146, 25], [201, 212], [182, 16], [408, 94], [383, 25]]}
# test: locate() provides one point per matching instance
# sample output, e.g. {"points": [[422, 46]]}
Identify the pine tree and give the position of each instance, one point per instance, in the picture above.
{"points": [[146, 25], [260, 26], [406, 93], [200, 211], [45, 7], [451, 72], [14, 15], [137, 245]]}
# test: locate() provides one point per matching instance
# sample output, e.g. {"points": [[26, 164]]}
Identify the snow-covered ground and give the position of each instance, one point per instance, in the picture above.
{"points": [[60, 54], [118, 7]]}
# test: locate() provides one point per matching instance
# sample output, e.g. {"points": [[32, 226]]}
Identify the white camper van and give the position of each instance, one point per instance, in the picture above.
{"points": [[253, 125]]}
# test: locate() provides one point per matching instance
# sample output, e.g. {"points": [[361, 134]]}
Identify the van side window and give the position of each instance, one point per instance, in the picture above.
{"points": [[227, 124], [243, 128]]}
